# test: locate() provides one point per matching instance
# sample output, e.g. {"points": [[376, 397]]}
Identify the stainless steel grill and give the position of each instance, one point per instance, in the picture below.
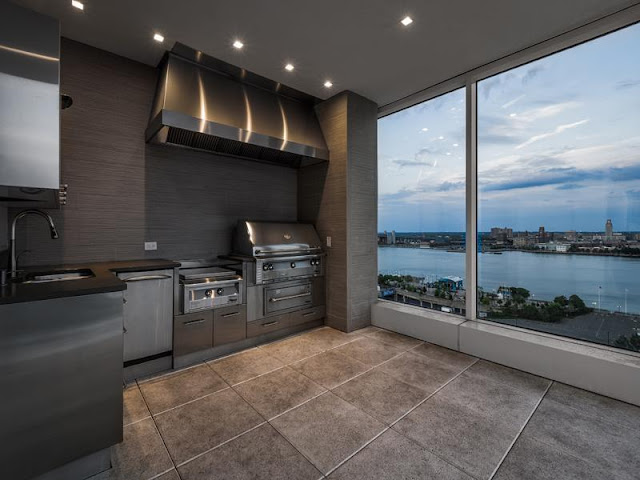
{"points": [[284, 268]]}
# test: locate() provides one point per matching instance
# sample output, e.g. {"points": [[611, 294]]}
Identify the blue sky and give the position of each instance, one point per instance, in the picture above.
{"points": [[558, 145]]}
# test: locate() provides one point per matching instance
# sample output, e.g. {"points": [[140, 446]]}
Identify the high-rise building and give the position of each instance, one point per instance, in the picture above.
{"points": [[393, 237], [608, 231], [542, 235]]}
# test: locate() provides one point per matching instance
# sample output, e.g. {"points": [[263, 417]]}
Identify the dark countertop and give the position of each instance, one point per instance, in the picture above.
{"points": [[104, 280]]}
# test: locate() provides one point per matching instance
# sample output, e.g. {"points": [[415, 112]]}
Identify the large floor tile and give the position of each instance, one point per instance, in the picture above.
{"points": [[292, 349], [496, 400], [278, 391], [511, 377], [198, 426], [364, 331], [380, 395], [604, 443], [595, 405], [420, 371], [245, 365], [330, 368], [393, 457], [369, 351], [170, 475], [460, 435], [402, 342], [327, 430], [530, 459], [444, 355], [177, 388], [261, 453], [141, 455], [134, 407], [327, 338]]}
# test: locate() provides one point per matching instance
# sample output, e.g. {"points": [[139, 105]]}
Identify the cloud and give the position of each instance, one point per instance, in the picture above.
{"points": [[532, 73], [568, 186], [558, 130], [513, 102], [414, 163], [623, 84], [448, 186]]}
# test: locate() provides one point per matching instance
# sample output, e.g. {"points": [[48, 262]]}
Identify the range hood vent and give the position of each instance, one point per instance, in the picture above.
{"points": [[206, 104]]}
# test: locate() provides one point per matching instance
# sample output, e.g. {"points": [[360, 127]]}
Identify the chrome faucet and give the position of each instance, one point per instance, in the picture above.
{"points": [[54, 234]]}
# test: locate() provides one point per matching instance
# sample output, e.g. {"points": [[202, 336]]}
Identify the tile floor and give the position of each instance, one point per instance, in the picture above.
{"points": [[368, 405]]}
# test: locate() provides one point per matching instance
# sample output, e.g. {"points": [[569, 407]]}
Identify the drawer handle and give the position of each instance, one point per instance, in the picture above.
{"points": [[269, 324], [308, 313], [193, 322], [290, 297], [227, 315], [146, 277]]}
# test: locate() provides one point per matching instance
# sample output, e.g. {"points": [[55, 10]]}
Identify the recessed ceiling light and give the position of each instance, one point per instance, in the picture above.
{"points": [[406, 21], [455, 144], [77, 4], [238, 44], [289, 67], [425, 129], [328, 84], [440, 137], [158, 38]]}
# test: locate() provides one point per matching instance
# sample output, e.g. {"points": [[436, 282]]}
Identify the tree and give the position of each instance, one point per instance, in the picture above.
{"points": [[561, 300], [576, 303]]}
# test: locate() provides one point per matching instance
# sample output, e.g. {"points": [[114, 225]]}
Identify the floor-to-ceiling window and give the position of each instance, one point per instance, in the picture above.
{"points": [[421, 210], [559, 193], [558, 204]]}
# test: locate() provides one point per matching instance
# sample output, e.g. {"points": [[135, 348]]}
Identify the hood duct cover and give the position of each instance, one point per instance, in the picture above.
{"points": [[206, 104]]}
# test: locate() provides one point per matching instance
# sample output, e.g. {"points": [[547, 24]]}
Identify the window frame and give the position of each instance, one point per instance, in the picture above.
{"points": [[469, 80]]}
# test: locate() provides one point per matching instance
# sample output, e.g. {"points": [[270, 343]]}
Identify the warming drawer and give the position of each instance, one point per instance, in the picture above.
{"points": [[283, 299]]}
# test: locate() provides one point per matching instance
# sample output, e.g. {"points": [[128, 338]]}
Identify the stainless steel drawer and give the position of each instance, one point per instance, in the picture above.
{"points": [[192, 332], [229, 324], [308, 315], [266, 325], [279, 299]]}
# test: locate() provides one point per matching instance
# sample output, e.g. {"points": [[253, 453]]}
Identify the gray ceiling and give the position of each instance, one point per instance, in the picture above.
{"points": [[358, 44]]}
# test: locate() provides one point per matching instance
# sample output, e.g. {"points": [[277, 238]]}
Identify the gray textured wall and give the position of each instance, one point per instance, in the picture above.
{"points": [[341, 198], [123, 192]]}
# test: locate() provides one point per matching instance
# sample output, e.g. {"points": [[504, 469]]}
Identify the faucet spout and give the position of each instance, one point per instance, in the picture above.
{"points": [[13, 263]]}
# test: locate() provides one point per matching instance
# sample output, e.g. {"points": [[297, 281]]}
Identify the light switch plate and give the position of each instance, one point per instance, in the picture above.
{"points": [[328, 241], [150, 245]]}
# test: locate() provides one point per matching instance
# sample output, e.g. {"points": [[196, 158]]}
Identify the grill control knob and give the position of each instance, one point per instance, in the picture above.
{"points": [[265, 267], [220, 291], [293, 264], [208, 293], [271, 266]]}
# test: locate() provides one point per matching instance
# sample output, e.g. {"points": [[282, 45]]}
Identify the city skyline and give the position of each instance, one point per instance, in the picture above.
{"points": [[558, 146]]}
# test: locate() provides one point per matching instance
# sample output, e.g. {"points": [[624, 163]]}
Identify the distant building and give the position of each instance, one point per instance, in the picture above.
{"points": [[393, 237], [501, 234], [608, 231], [451, 284], [542, 235], [571, 235]]}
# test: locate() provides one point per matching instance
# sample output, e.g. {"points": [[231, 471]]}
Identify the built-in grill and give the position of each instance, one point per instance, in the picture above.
{"points": [[283, 270], [208, 288]]}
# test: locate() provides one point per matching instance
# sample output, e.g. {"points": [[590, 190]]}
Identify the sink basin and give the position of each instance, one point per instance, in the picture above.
{"points": [[57, 276]]}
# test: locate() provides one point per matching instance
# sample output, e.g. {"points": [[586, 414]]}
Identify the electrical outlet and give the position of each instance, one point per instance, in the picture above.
{"points": [[150, 245], [328, 241]]}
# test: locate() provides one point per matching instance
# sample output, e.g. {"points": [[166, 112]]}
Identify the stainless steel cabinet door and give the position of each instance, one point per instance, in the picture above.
{"points": [[148, 313]]}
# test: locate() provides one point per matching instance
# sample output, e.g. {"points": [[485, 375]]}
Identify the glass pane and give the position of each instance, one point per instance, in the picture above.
{"points": [[559, 193], [421, 206]]}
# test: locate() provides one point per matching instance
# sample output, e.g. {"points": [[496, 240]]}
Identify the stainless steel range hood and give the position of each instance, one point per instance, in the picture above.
{"points": [[206, 104]]}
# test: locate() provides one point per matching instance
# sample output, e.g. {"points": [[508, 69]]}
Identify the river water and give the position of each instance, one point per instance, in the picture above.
{"points": [[544, 275]]}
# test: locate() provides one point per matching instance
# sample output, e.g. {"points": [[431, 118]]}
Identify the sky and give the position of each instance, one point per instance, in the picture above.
{"points": [[558, 146]]}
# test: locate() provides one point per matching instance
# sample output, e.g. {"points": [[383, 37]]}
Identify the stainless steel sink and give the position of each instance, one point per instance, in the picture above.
{"points": [[56, 276]]}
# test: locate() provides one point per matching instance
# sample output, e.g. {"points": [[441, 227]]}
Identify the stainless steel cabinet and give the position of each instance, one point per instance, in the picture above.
{"points": [[192, 332], [148, 313], [229, 324]]}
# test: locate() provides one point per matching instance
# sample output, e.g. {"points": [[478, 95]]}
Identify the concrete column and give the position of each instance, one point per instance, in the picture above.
{"points": [[340, 198]]}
